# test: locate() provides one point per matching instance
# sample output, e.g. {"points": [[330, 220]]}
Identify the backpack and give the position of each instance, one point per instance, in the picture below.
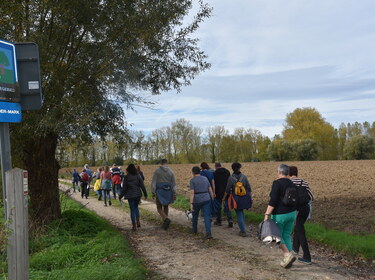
{"points": [[84, 177], [239, 188], [290, 197], [303, 195], [164, 193]]}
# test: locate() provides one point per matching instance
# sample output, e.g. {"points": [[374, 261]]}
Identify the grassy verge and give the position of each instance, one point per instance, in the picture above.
{"points": [[82, 246]]}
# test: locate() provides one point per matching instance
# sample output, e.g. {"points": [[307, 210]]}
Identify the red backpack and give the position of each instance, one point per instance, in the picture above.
{"points": [[84, 177]]}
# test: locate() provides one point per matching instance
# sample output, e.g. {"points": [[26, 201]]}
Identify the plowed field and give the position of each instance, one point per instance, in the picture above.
{"points": [[344, 190]]}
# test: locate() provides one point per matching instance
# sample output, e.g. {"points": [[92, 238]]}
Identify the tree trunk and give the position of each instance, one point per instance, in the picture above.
{"points": [[42, 166]]}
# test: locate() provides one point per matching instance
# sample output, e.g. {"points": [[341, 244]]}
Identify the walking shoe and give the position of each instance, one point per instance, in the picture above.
{"points": [[208, 235], [217, 223], [242, 234], [134, 228], [288, 261], [305, 261], [110, 203], [230, 224], [105, 205], [166, 223]]}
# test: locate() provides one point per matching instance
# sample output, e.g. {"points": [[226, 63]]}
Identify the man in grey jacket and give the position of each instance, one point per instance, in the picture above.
{"points": [[163, 175]]}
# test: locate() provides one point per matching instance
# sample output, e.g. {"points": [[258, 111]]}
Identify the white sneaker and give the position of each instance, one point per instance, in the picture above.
{"points": [[288, 261]]}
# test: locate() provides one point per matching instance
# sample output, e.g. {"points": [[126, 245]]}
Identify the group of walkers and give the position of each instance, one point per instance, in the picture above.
{"points": [[210, 191]]}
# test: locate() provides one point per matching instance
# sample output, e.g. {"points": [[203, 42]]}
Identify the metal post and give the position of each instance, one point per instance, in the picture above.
{"points": [[6, 160], [18, 240]]}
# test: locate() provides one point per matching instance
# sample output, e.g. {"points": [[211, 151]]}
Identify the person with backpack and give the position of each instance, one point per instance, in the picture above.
{"points": [[133, 186], [105, 178], [75, 180], [201, 194], [221, 176], [305, 196], [282, 208], [84, 184], [239, 191], [89, 173], [98, 183], [164, 190]]}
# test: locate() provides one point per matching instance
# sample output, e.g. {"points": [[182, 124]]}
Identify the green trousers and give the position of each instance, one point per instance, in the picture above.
{"points": [[286, 225]]}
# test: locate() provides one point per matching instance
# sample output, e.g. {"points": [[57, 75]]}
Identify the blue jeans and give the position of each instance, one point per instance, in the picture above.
{"points": [[241, 220], [227, 212], [116, 189], [106, 193], [206, 208], [134, 211]]}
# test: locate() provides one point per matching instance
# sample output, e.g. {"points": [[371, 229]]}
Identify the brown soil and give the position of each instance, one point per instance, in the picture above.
{"points": [[344, 190], [178, 254]]}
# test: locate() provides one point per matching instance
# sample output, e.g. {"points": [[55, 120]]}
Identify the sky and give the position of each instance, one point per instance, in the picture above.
{"points": [[270, 57]]}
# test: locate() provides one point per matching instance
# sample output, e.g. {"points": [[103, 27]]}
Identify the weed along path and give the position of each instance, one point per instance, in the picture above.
{"points": [[178, 254]]}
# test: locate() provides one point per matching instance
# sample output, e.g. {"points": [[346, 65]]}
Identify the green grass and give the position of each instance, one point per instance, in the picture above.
{"points": [[82, 246], [354, 245]]}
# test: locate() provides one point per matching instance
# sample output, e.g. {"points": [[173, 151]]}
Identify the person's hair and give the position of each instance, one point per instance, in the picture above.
{"points": [[283, 169], [106, 168], [86, 166], [100, 169], [84, 170], [131, 169], [217, 164], [163, 161], [196, 170], [114, 165], [138, 168], [236, 166], [204, 165], [293, 171]]}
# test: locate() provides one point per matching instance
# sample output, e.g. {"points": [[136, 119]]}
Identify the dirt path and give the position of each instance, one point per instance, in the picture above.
{"points": [[178, 254]]}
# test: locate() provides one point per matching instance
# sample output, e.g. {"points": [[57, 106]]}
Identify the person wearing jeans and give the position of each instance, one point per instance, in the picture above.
{"points": [[201, 194], [237, 176], [133, 187], [105, 178]]}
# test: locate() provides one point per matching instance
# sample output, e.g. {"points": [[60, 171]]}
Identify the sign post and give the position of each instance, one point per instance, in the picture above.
{"points": [[17, 95]]}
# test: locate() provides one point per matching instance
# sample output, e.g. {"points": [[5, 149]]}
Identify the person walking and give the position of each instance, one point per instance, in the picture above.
{"points": [[105, 178], [75, 180], [221, 176], [201, 194], [133, 186], [236, 177], [283, 212], [84, 184], [208, 173], [116, 180], [140, 172], [299, 236], [89, 173], [163, 185], [98, 183]]}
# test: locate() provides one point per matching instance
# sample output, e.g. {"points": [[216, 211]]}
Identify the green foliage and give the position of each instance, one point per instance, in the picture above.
{"points": [[358, 245], [82, 246], [306, 149], [359, 147], [280, 150], [307, 123]]}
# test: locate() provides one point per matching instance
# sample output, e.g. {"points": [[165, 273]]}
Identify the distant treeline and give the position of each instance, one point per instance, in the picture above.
{"points": [[306, 136]]}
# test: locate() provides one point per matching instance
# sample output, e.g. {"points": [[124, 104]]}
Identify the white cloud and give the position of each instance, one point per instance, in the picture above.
{"points": [[270, 57]]}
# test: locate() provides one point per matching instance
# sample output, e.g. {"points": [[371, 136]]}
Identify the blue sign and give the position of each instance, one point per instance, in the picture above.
{"points": [[10, 112], [8, 72]]}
